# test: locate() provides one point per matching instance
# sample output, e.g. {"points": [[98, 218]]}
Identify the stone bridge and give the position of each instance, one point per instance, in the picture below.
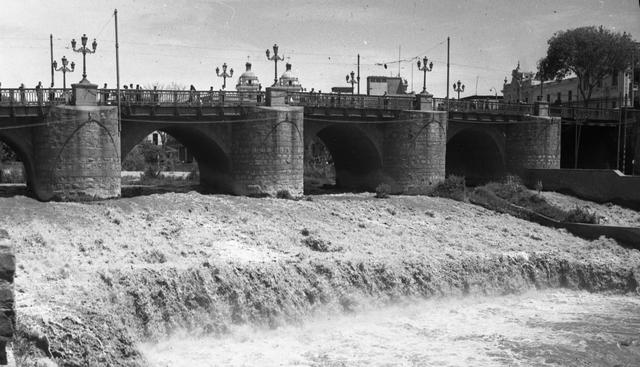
{"points": [[72, 144]]}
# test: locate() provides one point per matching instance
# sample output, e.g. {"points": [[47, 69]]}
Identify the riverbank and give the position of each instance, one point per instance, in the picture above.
{"points": [[97, 280]]}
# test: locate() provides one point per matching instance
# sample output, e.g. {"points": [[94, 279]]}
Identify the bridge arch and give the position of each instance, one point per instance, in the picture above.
{"points": [[214, 163], [477, 153], [357, 159], [21, 145]]}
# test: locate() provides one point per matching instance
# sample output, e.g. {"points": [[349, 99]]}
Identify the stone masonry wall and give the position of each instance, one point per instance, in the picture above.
{"points": [[268, 153], [533, 143], [77, 155], [7, 304], [414, 151]]}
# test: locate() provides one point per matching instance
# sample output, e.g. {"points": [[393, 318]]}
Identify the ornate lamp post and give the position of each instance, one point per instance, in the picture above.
{"points": [[424, 70], [84, 50], [458, 87], [353, 80], [224, 74], [494, 91], [64, 69], [275, 58]]}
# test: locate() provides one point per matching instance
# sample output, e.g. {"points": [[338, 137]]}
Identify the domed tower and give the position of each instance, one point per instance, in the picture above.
{"points": [[289, 81], [248, 85], [248, 81]]}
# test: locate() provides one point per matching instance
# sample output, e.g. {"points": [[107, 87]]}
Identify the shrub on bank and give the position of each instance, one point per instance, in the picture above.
{"points": [[581, 215], [453, 187], [382, 191]]}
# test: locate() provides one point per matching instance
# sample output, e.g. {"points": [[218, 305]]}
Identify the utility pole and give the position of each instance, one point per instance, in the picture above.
{"points": [[358, 73], [51, 64], [399, 48], [115, 14], [447, 73]]}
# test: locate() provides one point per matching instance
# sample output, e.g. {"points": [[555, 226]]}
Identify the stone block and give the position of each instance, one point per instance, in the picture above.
{"points": [[6, 327], [7, 262]]}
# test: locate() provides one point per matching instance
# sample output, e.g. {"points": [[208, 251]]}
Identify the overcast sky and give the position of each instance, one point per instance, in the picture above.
{"points": [[182, 41]]}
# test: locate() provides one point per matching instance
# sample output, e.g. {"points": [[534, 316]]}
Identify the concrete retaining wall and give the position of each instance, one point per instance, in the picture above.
{"points": [[591, 184], [7, 304]]}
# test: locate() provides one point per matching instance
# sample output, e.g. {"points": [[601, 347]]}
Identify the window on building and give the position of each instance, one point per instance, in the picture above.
{"points": [[559, 97], [570, 96], [614, 78], [548, 97], [613, 104]]}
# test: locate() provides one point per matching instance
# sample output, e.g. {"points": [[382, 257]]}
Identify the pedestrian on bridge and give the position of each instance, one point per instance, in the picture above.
{"points": [[39, 92], [192, 93], [105, 94], [23, 100]]}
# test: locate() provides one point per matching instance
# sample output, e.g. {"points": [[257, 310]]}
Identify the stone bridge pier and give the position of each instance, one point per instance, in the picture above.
{"points": [[407, 152], [76, 153]]}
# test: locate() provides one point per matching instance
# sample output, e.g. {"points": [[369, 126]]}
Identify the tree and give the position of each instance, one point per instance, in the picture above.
{"points": [[590, 53]]}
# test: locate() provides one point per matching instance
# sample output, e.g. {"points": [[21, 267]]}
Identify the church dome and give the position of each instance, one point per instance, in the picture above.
{"points": [[248, 78], [288, 79]]}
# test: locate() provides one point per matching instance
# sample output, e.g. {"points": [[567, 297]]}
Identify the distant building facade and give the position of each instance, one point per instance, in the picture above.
{"points": [[381, 85], [613, 91]]}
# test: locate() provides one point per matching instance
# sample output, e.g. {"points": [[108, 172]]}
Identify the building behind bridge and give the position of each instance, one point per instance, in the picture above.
{"points": [[614, 91]]}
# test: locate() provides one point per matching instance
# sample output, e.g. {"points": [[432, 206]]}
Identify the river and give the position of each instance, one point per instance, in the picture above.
{"points": [[542, 328]]}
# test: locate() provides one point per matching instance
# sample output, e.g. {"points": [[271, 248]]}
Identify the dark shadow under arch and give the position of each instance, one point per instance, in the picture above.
{"points": [[474, 154], [357, 160], [25, 158], [214, 165]]}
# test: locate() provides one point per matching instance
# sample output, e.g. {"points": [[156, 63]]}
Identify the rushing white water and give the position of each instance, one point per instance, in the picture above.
{"points": [[549, 328]]}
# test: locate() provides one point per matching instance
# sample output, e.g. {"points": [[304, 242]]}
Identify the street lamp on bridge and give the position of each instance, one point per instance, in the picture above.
{"points": [[84, 50], [353, 80], [458, 87], [424, 68], [494, 91], [224, 74], [64, 69], [275, 58]]}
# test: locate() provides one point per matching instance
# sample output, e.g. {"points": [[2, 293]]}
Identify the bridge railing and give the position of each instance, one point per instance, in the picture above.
{"points": [[179, 97], [482, 105], [330, 100], [584, 113], [33, 96]]}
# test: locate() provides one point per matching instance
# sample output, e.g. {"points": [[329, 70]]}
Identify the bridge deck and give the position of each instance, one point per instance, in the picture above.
{"points": [[35, 102]]}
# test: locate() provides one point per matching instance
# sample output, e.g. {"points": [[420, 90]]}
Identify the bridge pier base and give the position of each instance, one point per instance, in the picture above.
{"points": [[533, 143], [268, 152], [77, 154], [414, 151]]}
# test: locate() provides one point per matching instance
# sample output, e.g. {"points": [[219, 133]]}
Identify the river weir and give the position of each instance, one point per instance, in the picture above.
{"points": [[545, 328]]}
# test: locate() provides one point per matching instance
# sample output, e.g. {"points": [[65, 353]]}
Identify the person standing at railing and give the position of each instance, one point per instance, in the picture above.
{"points": [[23, 100], [39, 92], [192, 93], [155, 94], [105, 94]]}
